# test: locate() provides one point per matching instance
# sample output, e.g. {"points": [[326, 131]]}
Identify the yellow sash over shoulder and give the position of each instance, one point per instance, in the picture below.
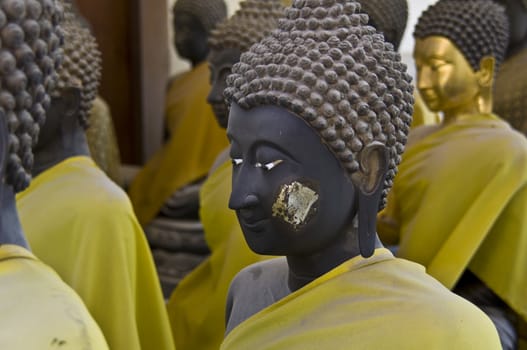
{"points": [[195, 141], [197, 306], [375, 303], [39, 311], [82, 225], [460, 201]]}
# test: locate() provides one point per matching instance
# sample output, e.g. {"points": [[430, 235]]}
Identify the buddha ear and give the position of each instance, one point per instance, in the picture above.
{"points": [[369, 183], [485, 74], [72, 100]]}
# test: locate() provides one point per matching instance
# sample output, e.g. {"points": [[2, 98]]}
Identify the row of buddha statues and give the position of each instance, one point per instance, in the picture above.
{"points": [[309, 194]]}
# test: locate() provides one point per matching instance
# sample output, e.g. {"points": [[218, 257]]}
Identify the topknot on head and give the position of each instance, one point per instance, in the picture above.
{"points": [[478, 28], [30, 52], [329, 67]]}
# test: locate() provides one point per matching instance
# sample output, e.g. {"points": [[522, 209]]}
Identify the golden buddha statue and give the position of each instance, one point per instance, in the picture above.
{"points": [[390, 17], [455, 202]]}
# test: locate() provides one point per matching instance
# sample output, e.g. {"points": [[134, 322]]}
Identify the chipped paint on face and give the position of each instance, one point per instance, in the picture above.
{"points": [[294, 203]]}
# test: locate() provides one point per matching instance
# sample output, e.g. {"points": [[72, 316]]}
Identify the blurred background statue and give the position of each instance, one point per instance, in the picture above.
{"points": [[455, 203], [38, 308], [165, 192], [88, 232], [197, 306]]}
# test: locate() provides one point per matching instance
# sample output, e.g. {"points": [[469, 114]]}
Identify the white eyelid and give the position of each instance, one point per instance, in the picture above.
{"points": [[269, 166], [237, 161]]}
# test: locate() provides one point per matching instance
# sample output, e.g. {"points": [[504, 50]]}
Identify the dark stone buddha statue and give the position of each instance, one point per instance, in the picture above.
{"points": [[388, 17], [88, 227], [228, 39], [192, 22], [24, 96], [320, 112]]}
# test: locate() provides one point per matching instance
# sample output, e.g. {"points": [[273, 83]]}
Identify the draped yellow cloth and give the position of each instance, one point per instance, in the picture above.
{"points": [[82, 225], [459, 201], [39, 311], [195, 141], [375, 303], [197, 306], [102, 141]]}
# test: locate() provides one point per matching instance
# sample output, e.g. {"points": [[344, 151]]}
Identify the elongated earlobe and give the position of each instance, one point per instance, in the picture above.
{"points": [[486, 71], [374, 164], [368, 207], [72, 96]]}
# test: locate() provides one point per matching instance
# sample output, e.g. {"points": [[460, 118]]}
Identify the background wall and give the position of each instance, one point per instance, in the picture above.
{"points": [[114, 25]]}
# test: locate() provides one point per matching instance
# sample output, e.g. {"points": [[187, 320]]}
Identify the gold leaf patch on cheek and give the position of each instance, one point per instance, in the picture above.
{"points": [[294, 203]]}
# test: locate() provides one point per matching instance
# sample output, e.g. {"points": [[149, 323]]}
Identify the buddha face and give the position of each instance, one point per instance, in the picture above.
{"points": [[190, 37], [220, 64], [445, 79], [289, 192]]}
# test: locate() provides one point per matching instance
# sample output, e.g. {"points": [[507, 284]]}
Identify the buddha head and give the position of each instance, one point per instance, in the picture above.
{"points": [[517, 13], [320, 111], [459, 47], [192, 21], [77, 84], [29, 55], [253, 21], [388, 17]]}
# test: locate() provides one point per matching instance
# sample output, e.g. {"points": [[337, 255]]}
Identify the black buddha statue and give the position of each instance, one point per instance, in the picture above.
{"points": [[88, 227], [320, 112], [38, 308], [192, 22]]}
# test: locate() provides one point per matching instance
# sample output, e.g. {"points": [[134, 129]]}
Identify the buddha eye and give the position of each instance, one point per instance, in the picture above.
{"points": [[237, 161], [268, 166]]}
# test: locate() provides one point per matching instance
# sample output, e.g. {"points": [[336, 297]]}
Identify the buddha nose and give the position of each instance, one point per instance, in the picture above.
{"points": [[216, 93], [239, 202], [424, 78]]}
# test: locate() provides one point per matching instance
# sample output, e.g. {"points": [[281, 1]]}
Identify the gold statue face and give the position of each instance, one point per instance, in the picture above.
{"points": [[445, 79]]}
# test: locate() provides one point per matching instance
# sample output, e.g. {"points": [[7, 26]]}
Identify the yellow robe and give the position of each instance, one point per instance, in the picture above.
{"points": [[102, 141], [197, 306], [459, 201], [82, 225], [38, 310], [375, 303], [195, 141]]}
